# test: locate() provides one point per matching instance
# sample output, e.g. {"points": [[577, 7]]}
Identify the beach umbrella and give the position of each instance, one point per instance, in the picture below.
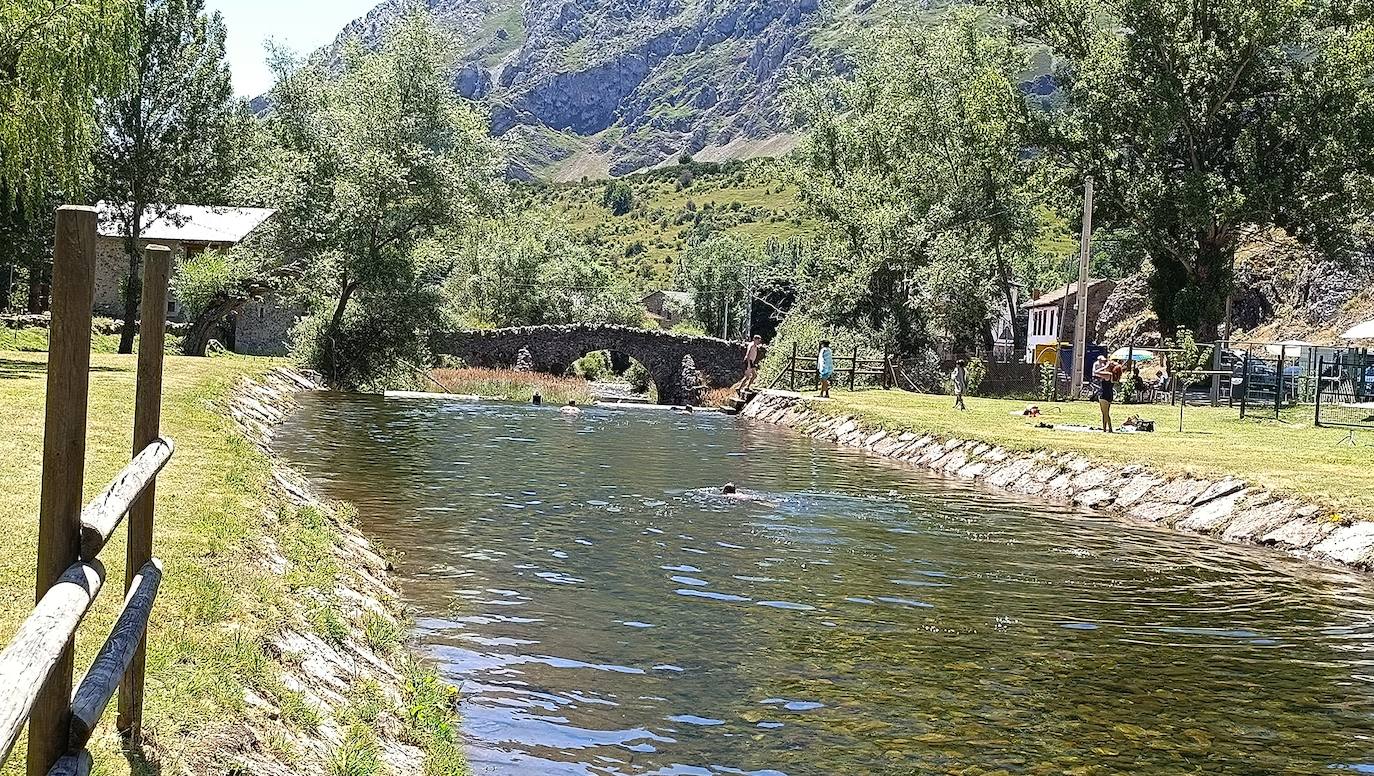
{"points": [[1138, 354], [1362, 331], [1290, 347]]}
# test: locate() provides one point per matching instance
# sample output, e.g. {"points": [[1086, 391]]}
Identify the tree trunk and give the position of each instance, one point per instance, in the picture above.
{"points": [[335, 320], [198, 336], [38, 292], [1018, 334], [133, 285], [6, 280]]}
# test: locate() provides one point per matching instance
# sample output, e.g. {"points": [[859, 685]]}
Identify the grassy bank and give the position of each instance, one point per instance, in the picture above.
{"points": [[215, 683], [1292, 457], [510, 384]]}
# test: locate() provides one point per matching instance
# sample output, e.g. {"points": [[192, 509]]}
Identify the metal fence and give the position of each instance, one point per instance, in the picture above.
{"points": [[1344, 392]]}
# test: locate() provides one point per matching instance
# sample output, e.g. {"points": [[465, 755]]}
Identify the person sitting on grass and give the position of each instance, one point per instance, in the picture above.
{"points": [[960, 379], [825, 368]]}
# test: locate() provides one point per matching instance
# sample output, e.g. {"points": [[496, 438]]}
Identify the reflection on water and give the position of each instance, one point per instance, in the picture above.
{"points": [[606, 611]]}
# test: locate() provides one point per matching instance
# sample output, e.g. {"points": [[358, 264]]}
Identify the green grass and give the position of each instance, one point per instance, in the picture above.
{"points": [[219, 603], [752, 202], [1291, 456]]}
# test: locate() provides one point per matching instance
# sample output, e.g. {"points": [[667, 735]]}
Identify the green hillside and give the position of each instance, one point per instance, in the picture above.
{"points": [[672, 205]]}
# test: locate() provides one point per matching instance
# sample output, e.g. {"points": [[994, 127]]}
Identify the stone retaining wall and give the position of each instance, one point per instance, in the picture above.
{"points": [[323, 670], [1228, 509]]}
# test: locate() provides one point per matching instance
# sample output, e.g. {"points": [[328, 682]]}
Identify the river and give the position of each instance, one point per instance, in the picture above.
{"points": [[605, 611]]}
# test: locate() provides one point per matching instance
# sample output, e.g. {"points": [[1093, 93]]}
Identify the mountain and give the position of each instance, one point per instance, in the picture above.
{"points": [[608, 87]]}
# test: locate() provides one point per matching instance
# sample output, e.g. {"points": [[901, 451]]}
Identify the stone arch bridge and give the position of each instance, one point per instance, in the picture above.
{"points": [[553, 349]]}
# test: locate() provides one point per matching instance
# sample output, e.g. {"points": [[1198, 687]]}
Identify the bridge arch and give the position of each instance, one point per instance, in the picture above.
{"points": [[553, 349]]}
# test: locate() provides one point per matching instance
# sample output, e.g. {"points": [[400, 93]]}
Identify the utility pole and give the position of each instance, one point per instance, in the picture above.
{"points": [[748, 301], [1080, 328]]}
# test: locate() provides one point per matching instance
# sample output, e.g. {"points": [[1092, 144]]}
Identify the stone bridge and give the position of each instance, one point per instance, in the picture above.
{"points": [[553, 349]]}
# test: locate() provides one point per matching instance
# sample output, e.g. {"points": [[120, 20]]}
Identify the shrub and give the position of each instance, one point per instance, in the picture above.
{"points": [[976, 370], [593, 366], [639, 378]]}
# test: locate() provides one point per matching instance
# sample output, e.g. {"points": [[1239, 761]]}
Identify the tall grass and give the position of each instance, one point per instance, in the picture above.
{"points": [[510, 384]]}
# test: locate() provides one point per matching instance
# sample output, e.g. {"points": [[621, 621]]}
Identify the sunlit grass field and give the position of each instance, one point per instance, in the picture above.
{"points": [[1289, 455]]}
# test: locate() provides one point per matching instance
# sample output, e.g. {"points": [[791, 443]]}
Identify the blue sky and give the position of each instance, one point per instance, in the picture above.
{"points": [[301, 25]]}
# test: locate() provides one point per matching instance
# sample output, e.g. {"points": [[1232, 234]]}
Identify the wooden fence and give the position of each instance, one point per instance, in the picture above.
{"points": [[37, 667], [805, 366]]}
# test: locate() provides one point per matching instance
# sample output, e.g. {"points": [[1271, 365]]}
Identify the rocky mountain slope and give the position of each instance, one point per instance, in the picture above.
{"points": [[597, 87]]}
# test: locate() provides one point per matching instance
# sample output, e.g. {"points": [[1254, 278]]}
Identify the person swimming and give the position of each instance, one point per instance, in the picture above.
{"points": [[570, 408], [537, 400]]}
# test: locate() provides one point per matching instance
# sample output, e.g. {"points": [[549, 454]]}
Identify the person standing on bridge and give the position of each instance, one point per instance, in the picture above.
{"points": [[751, 363]]}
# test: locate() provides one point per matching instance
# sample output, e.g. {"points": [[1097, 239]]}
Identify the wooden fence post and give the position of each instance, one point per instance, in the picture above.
{"points": [[64, 457], [157, 262], [853, 368], [794, 366]]}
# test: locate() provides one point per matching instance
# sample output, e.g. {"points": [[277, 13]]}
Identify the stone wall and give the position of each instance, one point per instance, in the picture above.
{"points": [[1228, 509], [112, 266], [553, 349], [261, 328]]}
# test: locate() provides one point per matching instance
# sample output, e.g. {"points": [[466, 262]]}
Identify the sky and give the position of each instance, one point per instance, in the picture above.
{"points": [[300, 25]]}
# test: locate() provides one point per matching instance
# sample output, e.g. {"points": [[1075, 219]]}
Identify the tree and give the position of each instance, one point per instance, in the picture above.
{"points": [[714, 272], [57, 60], [26, 237], [917, 157], [618, 197], [1198, 120], [527, 270], [171, 136], [375, 170]]}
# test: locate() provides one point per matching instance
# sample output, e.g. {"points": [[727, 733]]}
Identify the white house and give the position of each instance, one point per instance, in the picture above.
{"points": [[1043, 329]]}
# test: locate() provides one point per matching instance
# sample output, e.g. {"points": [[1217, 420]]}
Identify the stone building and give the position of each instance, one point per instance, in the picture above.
{"points": [[260, 328], [667, 308]]}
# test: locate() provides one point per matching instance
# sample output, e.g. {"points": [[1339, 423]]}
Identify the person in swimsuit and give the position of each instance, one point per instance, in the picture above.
{"points": [[751, 363], [1106, 374]]}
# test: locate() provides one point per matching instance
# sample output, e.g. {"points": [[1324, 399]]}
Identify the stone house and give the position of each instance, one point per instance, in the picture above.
{"points": [[260, 328], [667, 308], [1046, 311]]}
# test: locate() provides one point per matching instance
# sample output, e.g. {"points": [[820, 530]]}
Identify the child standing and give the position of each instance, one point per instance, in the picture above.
{"points": [[825, 368], [960, 379]]}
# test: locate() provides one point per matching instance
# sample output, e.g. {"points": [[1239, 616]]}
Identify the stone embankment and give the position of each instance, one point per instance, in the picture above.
{"points": [[321, 666], [1228, 508]]}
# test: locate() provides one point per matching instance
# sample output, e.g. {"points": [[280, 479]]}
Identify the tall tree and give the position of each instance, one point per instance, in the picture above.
{"points": [[1198, 120], [57, 59], [920, 149], [171, 136], [368, 166]]}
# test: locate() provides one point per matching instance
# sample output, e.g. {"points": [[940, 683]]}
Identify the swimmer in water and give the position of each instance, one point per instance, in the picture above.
{"points": [[537, 400], [729, 491], [570, 408]]}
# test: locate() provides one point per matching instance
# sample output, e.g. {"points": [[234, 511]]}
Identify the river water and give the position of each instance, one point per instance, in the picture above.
{"points": [[605, 612]]}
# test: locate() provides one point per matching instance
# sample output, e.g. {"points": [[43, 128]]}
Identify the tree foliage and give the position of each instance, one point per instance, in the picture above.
{"points": [[57, 61], [916, 166], [618, 197], [1199, 120], [371, 168], [171, 136], [527, 270]]}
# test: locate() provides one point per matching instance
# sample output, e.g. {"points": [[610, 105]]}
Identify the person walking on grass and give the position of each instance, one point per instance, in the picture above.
{"points": [[825, 368], [960, 379]]}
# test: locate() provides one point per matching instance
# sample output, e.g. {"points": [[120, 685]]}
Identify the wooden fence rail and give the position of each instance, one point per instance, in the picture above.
{"points": [[805, 366], [36, 668]]}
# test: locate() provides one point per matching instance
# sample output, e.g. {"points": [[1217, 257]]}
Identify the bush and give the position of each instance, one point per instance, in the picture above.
{"points": [[976, 370], [593, 366], [618, 197], [639, 378]]}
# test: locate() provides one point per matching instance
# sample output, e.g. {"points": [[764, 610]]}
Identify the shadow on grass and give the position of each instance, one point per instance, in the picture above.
{"points": [[13, 367]]}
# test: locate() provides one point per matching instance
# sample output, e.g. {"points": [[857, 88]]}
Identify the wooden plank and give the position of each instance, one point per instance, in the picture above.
{"points": [[106, 511], [100, 682], [39, 646], [157, 263], [73, 765], [64, 458]]}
